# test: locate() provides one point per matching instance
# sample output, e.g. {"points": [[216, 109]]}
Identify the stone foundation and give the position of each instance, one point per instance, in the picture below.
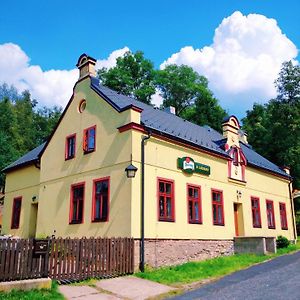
{"points": [[159, 252]]}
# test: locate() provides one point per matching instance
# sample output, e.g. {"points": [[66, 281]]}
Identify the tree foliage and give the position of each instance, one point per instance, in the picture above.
{"points": [[188, 92], [133, 75], [274, 128], [22, 125], [179, 86]]}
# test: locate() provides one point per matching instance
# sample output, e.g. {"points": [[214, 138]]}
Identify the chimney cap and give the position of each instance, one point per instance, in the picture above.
{"points": [[232, 118], [84, 58], [170, 110]]}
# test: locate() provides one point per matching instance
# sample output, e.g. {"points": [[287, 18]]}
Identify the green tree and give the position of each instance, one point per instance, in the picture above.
{"points": [[274, 128], [9, 136], [133, 75], [288, 83], [22, 126], [188, 92], [256, 125], [24, 111], [45, 119]]}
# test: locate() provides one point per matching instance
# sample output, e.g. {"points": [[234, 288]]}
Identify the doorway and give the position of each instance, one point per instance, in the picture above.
{"points": [[238, 219], [33, 219]]}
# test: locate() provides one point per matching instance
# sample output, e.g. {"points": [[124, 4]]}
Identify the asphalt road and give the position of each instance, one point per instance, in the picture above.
{"points": [[276, 279]]}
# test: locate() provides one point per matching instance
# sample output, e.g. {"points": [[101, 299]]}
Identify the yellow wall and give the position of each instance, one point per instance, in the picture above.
{"points": [[23, 183], [161, 161], [112, 156]]}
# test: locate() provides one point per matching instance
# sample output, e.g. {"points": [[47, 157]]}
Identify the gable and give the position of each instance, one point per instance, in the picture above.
{"points": [[97, 113]]}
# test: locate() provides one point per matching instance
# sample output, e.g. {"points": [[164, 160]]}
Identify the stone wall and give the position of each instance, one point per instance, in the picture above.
{"points": [[257, 245], [159, 252]]}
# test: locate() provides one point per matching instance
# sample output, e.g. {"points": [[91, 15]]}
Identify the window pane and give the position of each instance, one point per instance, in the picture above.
{"points": [[196, 210], [216, 197], [105, 208], [169, 212], [161, 187], [220, 215], [161, 206], [74, 215], [190, 192], [195, 193], [190, 210], [97, 208], [168, 188], [80, 211], [215, 213]]}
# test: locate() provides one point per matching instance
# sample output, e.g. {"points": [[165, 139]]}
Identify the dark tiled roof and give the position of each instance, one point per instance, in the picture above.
{"points": [[166, 124], [28, 158], [169, 124], [257, 160]]}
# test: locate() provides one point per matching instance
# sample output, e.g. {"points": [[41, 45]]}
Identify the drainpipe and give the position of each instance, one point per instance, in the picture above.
{"points": [[292, 211], [142, 244]]}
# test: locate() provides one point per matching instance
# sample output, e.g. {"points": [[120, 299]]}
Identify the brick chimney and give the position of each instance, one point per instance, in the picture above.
{"points": [[86, 66]]}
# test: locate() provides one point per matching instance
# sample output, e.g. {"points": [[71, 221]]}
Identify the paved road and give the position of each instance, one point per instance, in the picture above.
{"points": [[276, 279]]}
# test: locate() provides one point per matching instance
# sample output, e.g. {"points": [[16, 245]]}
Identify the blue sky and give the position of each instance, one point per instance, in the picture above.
{"points": [[52, 34]]}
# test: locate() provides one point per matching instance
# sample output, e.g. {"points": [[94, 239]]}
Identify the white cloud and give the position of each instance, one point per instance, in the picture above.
{"points": [[243, 61], [53, 87], [110, 62]]}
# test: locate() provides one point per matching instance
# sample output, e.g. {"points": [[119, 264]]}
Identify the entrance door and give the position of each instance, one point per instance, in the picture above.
{"points": [[33, 219], [236, 219]]}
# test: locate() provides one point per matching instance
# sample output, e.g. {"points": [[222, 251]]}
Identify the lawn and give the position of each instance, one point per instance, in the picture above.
{"points": [[211, 268], [43, 294]]}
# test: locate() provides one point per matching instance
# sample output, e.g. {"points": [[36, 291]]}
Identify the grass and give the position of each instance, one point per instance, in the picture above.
{"points": [[43, 294], [208, 269]]}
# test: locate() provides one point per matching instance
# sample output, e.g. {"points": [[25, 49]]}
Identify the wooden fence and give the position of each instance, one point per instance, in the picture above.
{"points": [[66, 260], [18, 261]]}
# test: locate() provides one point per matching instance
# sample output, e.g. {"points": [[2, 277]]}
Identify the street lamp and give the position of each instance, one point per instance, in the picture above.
{"points": [[130, 171]]}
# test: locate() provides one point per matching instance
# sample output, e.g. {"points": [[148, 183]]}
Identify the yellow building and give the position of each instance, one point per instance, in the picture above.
{"points": [[201, 189]]}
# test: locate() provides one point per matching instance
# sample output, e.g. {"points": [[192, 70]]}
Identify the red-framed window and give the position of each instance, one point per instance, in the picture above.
{"points": [[77, 203], [270, 214], [16, 213], [100, 212], [217, 207], [89, 139], [166, 200], [70, 146], [255, 207], [283, 219], [194, 204], [235, 157]]}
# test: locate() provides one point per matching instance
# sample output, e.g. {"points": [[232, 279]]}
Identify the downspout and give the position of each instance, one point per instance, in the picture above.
{"points": [[142, 244], [292, 211]]}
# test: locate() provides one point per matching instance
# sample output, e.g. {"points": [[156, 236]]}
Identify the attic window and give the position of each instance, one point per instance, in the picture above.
{"points": [[82, 106]]}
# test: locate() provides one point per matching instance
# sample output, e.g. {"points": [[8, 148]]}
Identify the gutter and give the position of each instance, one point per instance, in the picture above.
{"points": [[292, 211], [142, 243]]}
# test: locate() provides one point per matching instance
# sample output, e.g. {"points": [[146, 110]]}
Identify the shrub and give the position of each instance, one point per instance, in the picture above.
{"points": [[282, 242]]}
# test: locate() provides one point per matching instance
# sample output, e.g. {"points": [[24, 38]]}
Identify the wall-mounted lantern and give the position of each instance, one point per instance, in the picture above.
{"points": [[130, 171]]}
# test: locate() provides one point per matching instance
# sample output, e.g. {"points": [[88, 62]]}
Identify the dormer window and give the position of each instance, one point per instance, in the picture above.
{"points": [[89, 139], [235, 158], [236, 166]]}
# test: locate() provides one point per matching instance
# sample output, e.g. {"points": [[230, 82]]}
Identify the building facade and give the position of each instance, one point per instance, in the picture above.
{"points": [[201, 188]]}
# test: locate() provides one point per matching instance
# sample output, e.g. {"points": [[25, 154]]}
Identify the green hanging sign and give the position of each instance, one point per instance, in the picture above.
{"points": [[188, 165]]}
